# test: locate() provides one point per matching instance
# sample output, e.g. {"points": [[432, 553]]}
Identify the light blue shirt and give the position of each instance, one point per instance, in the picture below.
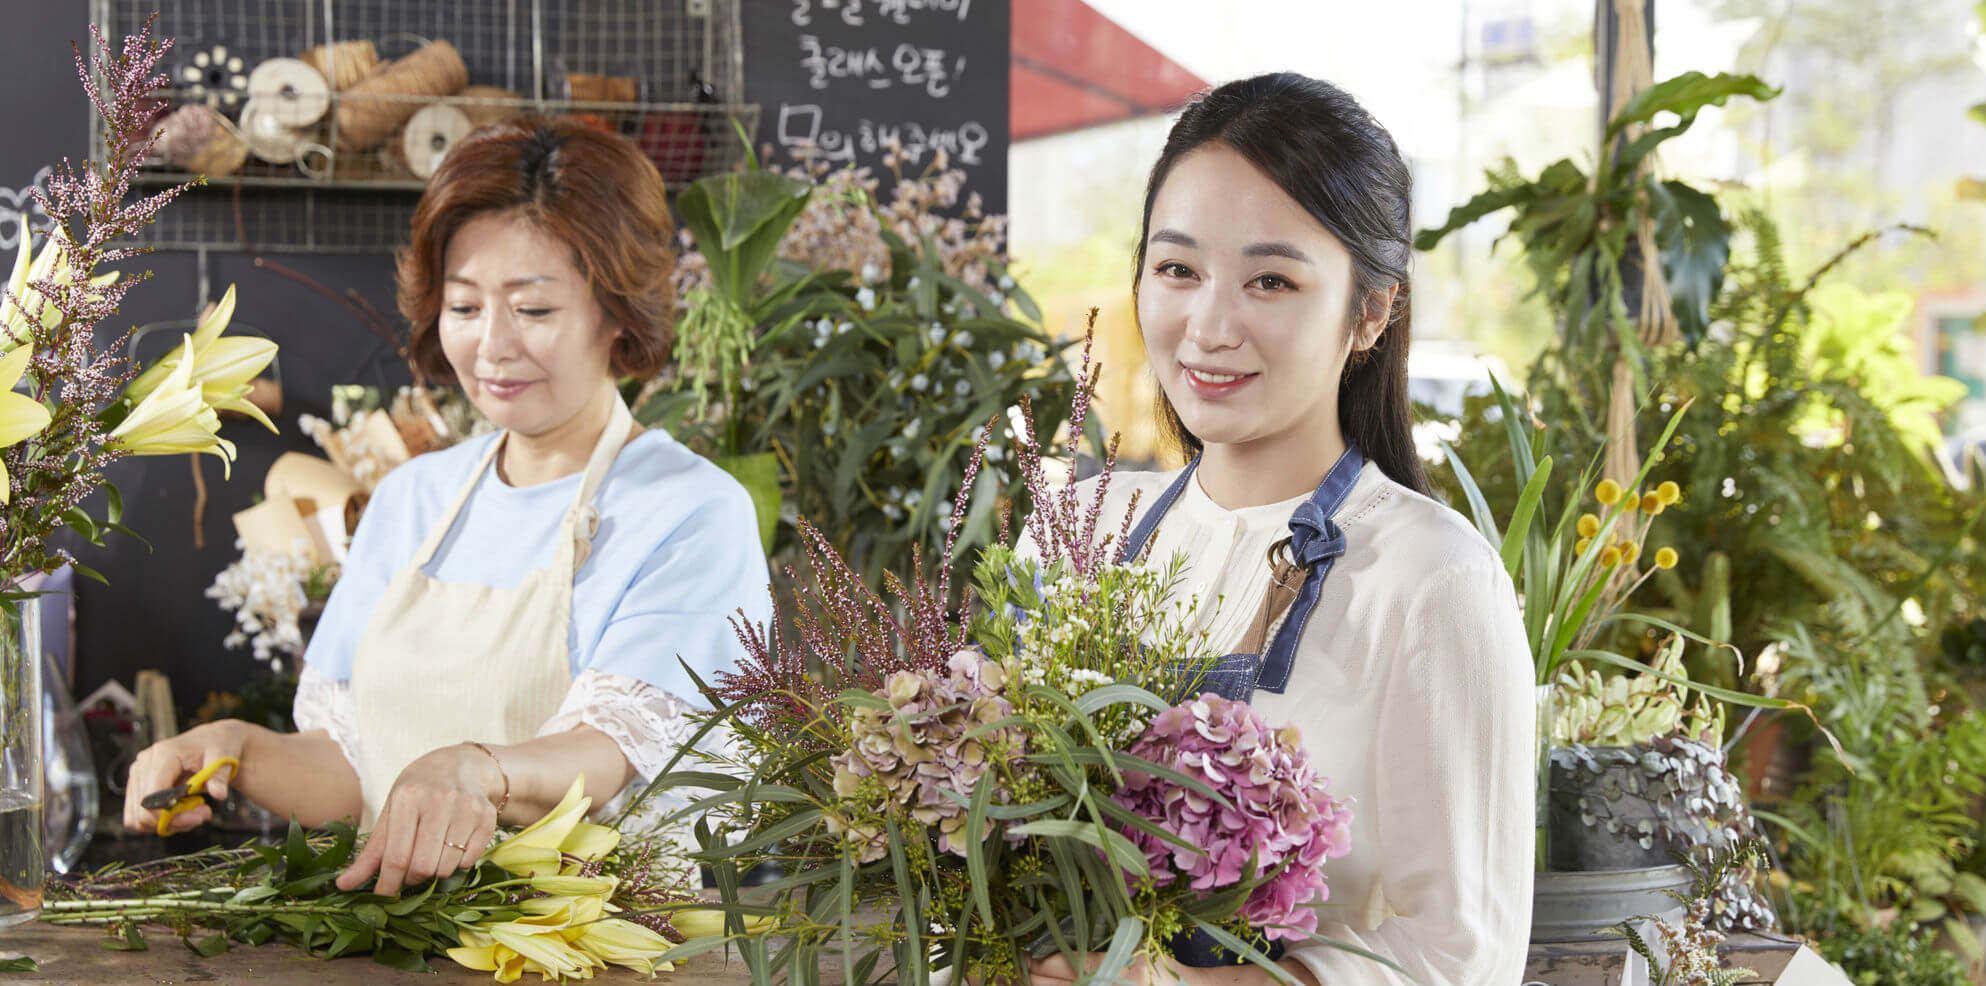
{"points": [[676, 558]]}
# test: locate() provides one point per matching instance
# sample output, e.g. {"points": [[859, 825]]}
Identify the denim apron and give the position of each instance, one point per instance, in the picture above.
{"points": [[1313, 547]]}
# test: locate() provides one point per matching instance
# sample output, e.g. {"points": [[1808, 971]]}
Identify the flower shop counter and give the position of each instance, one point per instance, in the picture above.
{"points": [[72, 956]]}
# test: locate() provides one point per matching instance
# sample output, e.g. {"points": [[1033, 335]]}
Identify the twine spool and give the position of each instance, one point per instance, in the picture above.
{"points": [[430, 135], [343, 64], [262, 127], [484, 105], [290, 91], [197, 138], [584, 88], [436, 69]]}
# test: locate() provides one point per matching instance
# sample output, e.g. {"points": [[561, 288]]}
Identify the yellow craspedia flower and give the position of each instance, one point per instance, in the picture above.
{"points": [[1589, 525], [1608, 492], [1670, 493], [1651, 503], [1610, 557], [1580, 548], [1629, 552], [1666, 558]]}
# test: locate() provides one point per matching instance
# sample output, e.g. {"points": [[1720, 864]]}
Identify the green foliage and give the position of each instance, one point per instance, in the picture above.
{"points": [[1883, 825], [1896, 955], [1575, 230], [1815, 525], [868, 394], [286, 893]]}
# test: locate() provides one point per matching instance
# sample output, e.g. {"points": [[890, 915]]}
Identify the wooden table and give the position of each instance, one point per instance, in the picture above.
{"points": [[70, 956]]}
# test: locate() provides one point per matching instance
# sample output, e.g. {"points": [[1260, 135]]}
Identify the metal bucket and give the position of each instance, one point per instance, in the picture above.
{"points": [[1576, 907]]}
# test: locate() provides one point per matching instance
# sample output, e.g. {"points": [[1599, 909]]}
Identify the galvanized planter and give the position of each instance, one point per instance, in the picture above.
{"points": [[1575, 907]]}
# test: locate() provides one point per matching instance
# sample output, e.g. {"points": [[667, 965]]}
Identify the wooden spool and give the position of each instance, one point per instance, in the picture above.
{"points": [[345, 63], [370, 110]]}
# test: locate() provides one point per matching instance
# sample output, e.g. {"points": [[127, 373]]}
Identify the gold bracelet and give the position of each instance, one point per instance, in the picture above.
{"points": [[505, 800]]}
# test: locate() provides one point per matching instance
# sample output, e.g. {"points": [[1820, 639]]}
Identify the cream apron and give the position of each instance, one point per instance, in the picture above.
{"points": [[447, 662]]}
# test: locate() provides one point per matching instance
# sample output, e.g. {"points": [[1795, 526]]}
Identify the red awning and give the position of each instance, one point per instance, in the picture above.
{"points": [[1075, 68]]}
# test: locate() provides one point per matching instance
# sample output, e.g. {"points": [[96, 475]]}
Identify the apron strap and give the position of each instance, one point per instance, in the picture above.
{"points": [[1283, 588], [1315, 543], [1141, 535], [582, 519], [440, 530]]}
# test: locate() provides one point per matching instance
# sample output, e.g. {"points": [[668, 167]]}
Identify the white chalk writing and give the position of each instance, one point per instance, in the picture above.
{"points": [[803, 126], [908, 65], [19, 212], [896, 11]]}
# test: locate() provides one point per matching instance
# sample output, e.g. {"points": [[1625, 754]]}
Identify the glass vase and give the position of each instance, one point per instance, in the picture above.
{"points": [[23, 853], [70, 801]]}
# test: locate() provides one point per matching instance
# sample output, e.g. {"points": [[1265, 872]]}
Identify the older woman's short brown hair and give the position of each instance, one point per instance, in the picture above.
{"points": [[593, 191]]}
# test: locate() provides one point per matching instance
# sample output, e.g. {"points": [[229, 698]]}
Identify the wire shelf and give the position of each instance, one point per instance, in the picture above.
{"points": [[325, 158]]}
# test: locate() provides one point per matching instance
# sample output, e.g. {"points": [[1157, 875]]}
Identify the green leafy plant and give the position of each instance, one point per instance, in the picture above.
{"points": [[1575, 230], [851, 397]]}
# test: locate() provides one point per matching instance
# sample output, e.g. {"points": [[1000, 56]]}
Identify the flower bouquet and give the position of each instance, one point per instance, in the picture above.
{"points": [[563, 898], [71, 404], [1032, 774]]}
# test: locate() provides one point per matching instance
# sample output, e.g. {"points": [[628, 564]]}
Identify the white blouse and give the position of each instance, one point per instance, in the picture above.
{"points": [[1413, 692]]}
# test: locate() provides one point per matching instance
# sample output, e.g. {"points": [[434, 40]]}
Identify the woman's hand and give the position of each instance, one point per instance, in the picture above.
{"points": [[169, 763], [1143, 971], [438, 818]]}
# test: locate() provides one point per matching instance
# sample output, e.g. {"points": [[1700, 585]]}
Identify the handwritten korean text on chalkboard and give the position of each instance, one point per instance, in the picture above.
{"points": [[898, 11], [908, 65]]}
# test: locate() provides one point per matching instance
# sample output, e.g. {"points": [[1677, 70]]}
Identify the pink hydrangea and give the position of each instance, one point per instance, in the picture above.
{"points": [[1280, 811]]}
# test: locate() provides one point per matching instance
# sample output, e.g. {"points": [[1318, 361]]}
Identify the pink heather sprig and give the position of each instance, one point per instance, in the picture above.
{"points": [[838, 613], [1063, 529], [65, 463], [1278, 811]]}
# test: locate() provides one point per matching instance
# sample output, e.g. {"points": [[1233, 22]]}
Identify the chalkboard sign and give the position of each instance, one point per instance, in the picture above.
{"points": [[850, 78]]}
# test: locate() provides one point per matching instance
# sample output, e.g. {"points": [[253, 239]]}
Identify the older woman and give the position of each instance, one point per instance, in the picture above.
{"points": [[516, 610]]}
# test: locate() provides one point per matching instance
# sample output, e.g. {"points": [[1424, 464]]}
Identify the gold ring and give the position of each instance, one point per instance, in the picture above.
{"points": [[454, 845]]}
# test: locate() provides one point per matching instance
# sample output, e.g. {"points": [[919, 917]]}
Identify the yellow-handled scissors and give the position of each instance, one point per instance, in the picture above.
{"points": [[172, 801]]}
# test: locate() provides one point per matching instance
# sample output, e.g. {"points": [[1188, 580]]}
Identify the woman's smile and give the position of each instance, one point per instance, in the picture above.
{"points": [[1210, 383], [504, 390]]}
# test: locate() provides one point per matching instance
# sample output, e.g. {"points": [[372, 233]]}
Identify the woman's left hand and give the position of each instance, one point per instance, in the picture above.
{"points": [[438, 818], [1143, 971]]}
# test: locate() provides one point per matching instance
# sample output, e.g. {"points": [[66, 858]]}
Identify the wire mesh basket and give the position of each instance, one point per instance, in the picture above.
{"points": [[314, 120]]}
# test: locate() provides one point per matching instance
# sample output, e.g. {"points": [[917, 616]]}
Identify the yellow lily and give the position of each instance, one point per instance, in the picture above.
{"points": [[574, 886], [27, 305], [173, 418], [616, 941], [546, 953], [224, 368], [546, 932], [21, 417], [703, 922], [541, 849]]}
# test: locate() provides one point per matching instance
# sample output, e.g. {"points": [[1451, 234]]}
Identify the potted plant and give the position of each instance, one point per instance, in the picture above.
{"points": [[1574, 579]]}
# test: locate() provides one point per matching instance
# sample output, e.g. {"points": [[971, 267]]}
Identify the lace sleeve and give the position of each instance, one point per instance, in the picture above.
{"points": [[322, 703], [649, 725]]}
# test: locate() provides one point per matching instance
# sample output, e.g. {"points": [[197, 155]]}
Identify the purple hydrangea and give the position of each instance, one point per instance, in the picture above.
{"points": [[1280, 811]]}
